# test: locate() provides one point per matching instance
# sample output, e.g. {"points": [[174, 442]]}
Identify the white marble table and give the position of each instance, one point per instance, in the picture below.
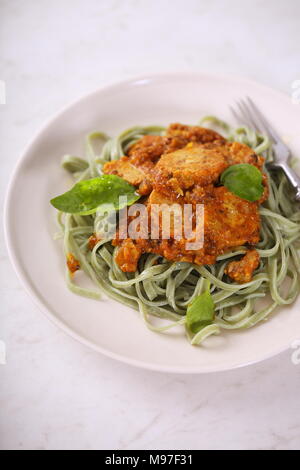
{"points": [[54, 392]]}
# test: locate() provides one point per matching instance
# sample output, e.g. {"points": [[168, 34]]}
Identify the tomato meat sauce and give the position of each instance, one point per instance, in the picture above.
{"points": [[184, 167]]}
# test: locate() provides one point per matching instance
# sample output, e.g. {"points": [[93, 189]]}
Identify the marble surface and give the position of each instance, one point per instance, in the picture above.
{"points": [[54, 392]]}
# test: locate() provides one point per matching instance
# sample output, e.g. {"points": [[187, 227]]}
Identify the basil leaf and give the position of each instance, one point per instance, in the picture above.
{"points": [[86, 197], [200, 312], [243, 180]]}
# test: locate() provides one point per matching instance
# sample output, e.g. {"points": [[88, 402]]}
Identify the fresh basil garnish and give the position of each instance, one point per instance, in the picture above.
{"points": [[86, 197], [200, 312], [243, 180]]}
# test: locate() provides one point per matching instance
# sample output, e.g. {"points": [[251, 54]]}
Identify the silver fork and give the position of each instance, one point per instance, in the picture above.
{"points": [[248, 114]]}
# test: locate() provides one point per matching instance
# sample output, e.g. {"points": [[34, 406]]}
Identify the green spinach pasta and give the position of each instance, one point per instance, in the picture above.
{"points": [[163, 291]]}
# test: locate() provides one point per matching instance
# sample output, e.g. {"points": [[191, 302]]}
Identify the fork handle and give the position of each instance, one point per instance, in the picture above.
{"points": [[291, 175]]}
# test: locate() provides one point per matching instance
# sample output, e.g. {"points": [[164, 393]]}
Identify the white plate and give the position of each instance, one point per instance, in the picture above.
{"points": [[107, 326]]}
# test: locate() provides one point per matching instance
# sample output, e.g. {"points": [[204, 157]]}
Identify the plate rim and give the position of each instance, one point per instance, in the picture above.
{"points": [[26, 283]]}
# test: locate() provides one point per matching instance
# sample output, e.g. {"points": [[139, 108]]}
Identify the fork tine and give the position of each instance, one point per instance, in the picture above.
{"points": [[256, 121], [269, 129], [242, 114], [239, 114], [235, 114], [248, 115]]}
